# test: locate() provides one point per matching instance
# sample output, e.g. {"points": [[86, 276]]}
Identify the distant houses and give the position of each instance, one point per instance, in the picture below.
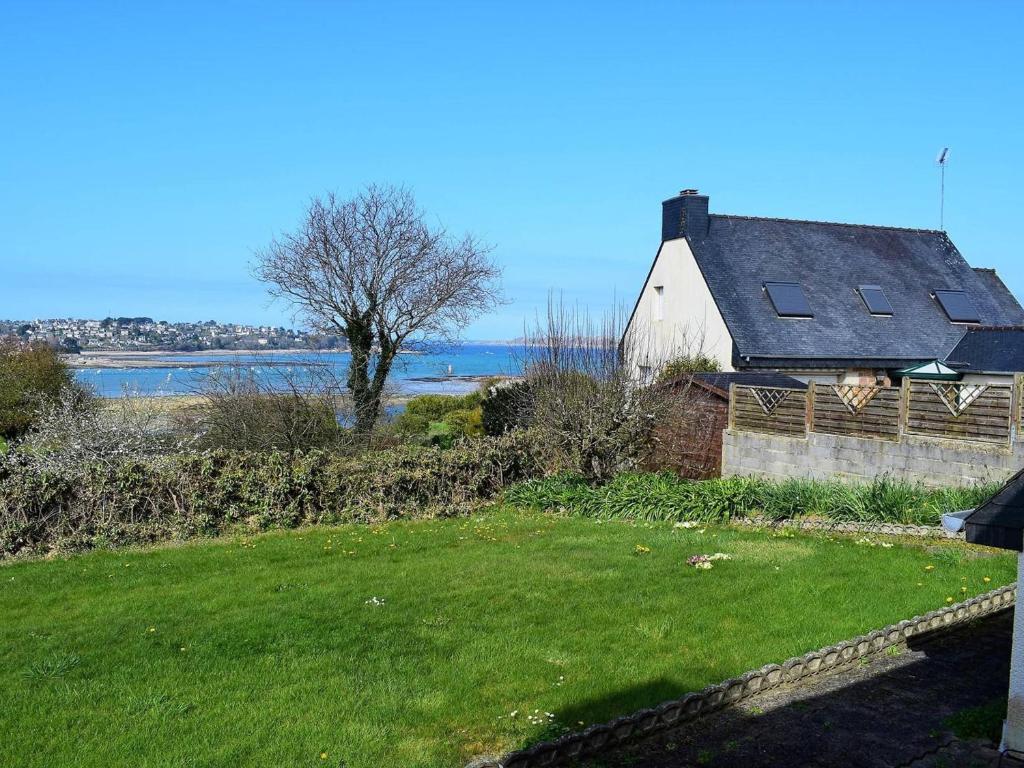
{"points": [[144, 333]]}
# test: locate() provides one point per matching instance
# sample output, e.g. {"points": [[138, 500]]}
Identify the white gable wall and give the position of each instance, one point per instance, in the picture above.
{"points": [[689, 321]]}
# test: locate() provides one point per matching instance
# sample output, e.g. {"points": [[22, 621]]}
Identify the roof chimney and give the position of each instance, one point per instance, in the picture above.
{"points": [[685, 215]]}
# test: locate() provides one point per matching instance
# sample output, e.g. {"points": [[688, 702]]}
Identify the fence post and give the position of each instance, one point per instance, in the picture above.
{"points": [[809, 410], [732, 406], [904, 414], [1015, 406]]}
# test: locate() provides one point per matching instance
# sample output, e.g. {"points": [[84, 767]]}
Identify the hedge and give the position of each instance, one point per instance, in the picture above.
{"points": [[206, 494]]}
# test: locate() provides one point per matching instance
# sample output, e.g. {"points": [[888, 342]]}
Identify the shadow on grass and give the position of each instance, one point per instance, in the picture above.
{"points": [[885, 713]]}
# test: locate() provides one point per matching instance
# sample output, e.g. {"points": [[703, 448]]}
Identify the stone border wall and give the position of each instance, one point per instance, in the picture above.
{"points": [[933, 462], [598, 738], [839, 526]]}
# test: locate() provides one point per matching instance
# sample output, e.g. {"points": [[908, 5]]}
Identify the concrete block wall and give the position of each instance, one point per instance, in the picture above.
{"points": [[930, 461]]}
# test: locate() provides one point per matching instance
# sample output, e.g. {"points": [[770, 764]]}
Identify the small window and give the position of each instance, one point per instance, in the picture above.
{"points": [[875, 299], [659, 302], [788, 299], [958, 306]]}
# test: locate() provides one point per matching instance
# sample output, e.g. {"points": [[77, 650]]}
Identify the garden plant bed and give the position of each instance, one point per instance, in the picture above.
{"points": [[425, 643]]}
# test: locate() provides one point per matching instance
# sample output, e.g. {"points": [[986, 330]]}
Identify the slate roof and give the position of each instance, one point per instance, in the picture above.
{"points": [[989, 350], [999, 521], [829, 260], [719, 382]]}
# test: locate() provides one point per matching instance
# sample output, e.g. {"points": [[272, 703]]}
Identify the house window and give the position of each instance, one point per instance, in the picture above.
{"points": [[659, 302], [875, 299], [788, 299], [958, 306]]}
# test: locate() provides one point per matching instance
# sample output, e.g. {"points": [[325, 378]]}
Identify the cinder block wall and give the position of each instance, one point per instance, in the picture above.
{"points": [[930, 461]]}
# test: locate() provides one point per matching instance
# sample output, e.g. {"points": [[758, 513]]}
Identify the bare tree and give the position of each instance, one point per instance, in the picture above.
{"points": [[585, 398], [372, 269]]}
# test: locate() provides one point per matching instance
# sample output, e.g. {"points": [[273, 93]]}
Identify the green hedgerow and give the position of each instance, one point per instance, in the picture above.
{"points": [[203, 494]]}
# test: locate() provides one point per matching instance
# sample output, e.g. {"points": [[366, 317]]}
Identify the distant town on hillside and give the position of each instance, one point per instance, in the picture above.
{"points": [[146, 334]]}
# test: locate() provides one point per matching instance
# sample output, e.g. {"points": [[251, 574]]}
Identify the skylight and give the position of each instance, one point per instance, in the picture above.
{"points": [[875, 299], [788, 299], [958, 306]]}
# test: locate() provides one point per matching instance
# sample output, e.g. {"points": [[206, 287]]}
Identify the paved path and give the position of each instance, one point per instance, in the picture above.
{"points": [[886, 712]]}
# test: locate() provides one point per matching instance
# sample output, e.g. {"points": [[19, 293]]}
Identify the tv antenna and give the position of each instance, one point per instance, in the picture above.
{"points": [[942, 160]]}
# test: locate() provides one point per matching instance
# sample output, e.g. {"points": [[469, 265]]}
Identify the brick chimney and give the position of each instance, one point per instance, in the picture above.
{"points": [[685, 215]]}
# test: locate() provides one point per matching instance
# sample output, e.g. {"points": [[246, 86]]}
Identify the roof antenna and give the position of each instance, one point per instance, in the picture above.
{"points": [[941, 160]]}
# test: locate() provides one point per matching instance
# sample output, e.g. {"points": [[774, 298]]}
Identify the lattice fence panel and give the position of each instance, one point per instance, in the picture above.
{"points": [[775, 410], [859, 411]]}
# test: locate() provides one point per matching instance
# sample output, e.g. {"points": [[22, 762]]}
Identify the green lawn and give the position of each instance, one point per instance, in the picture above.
{"points": [[272, 652]]}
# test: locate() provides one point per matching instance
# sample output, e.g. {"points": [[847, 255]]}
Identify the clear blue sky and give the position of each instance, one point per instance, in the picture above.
{"points": [[149, 148]]}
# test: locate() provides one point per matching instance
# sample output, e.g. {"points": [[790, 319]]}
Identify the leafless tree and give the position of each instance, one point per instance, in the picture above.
{"points": [[585, 397], [372, 269]]}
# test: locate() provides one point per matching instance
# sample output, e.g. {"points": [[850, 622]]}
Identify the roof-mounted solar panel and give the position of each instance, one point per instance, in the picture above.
{"points": [[958, 306], [875, 299], [788, 299]]}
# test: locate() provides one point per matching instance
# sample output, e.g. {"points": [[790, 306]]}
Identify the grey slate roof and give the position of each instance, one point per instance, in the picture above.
{"points": [[739, 254], [720, 381], [989, 350], [999, 521]]}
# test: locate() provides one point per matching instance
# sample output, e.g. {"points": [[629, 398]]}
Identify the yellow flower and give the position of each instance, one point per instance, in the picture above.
{"points": [[929, 567], [949, 599], [152, 629], [323, 755], [986, 579]]}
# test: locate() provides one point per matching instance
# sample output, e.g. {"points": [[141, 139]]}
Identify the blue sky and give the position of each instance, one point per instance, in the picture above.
{"points": [[149, 148]]}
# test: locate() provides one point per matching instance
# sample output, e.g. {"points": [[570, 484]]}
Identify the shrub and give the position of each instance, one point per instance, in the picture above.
{"points": [[466, 422], [422, 412], [202, 494], [30, 374], [507, 406], [698, 363], [250, 411], [663, 496]]}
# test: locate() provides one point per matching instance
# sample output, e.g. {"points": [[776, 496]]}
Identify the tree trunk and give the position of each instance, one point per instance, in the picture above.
{"points": [[367, 406]]}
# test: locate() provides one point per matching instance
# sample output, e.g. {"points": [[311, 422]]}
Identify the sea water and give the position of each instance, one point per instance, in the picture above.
{"points": [[437, 370]]}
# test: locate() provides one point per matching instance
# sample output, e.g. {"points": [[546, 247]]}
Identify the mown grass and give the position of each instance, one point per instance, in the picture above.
{"points": [[273, 651], [663, 496]]}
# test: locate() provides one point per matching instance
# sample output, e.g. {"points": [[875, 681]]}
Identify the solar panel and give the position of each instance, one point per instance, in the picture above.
{"points": [[788, 299], [875, 299], [958, 306]]}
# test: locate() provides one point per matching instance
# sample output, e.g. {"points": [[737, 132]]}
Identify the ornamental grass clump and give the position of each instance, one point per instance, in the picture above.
{"points": [[663, 496]]}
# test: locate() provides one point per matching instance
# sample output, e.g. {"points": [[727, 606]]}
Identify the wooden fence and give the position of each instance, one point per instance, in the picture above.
{"points": [[768, 409], [987, 413]]}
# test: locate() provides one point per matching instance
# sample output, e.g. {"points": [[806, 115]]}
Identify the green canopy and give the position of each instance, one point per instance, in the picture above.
{"points": [[934, 371]]}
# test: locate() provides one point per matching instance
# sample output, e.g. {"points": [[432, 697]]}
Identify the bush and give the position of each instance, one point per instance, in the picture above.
{"points": [[249, 411], [29, 376], [204, 494], [507, 406], [698, 363], [663, 496], [461, 414]]}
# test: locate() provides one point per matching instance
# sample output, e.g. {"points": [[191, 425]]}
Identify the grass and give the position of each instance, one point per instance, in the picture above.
{"points": [[983, 722], [422, 643]]}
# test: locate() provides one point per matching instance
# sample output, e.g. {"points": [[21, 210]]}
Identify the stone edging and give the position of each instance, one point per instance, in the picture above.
{"points": [[887, 529], [598, 738]]}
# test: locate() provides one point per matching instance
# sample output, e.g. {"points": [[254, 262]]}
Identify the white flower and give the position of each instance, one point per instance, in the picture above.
{"points": [[375, 601]]}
